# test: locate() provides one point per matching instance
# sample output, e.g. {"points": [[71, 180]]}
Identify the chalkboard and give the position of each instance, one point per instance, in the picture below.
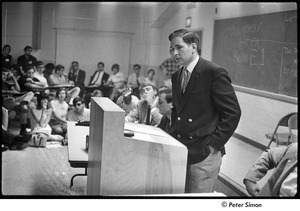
{"points": [[259, 51]]}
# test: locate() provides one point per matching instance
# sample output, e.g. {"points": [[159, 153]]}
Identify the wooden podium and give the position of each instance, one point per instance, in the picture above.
{"points": [[150, 162]]}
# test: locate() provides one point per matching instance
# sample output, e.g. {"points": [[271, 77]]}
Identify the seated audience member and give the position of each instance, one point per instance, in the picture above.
{"points": [[15, 69], [117, 81], [6, 57], [26, 59], [146, 111], [49, 68], [40, 117], [96, 93], [135, 79], [17, 105], [150, 78], [77, 76], [283, 181], [98, 80], [9, 140], [79, 113], [39, 73], [28, 82], [13, 142], [169, 65], [58, 121], [128, 102], [58, 78], [165, 108]]}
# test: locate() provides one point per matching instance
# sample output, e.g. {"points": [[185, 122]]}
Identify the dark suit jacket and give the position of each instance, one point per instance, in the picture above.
{"points": [[80, 79], [207, 113], [105, 89], [104, 77]]}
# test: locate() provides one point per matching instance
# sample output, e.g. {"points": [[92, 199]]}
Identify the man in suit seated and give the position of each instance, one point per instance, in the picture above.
{"points": [[97, 81], [77, 76]]}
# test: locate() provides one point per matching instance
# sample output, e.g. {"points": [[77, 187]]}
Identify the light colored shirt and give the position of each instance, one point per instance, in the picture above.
{"points": [[117, 80], [289, 185], [55, 79], [98, 78], [41, 78], [60, 109], [192, 65]]}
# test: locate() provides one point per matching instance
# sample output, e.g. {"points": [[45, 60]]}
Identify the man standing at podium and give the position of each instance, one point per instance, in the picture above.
{"points": [[205, 112]]}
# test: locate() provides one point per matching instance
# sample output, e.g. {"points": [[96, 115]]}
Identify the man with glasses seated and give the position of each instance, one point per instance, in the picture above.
{"points": [[79, 113], [40, 67]]}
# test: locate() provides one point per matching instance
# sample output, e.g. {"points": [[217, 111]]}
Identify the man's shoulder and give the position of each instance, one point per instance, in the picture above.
{"points": [[21, 56]]}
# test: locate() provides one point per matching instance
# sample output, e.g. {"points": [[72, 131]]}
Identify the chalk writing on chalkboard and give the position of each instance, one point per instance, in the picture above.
{"points": [[259, 51]]}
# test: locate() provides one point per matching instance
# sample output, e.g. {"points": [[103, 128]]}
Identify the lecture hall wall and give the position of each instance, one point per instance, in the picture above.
{"points": [[141, 30]]}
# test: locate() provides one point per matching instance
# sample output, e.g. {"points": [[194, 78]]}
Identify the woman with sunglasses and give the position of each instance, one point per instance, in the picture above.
{"points": [[80, 112]]}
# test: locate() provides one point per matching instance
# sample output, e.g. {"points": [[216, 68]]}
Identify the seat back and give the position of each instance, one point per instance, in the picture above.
{"points": [[282, 123], [293, 127]]}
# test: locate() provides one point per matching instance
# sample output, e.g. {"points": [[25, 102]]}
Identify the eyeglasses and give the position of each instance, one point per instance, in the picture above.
{"points": [[78, 104]]}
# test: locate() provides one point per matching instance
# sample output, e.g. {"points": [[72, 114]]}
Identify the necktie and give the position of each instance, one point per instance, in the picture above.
{"points": [[95, 79], [185, 79], [148, 116]]}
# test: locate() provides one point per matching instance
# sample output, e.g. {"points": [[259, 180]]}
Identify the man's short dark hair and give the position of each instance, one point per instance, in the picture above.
{"points": [[77, 99], [137, 66], [188, 37], [27, 48], [28, 67], [58, 67], [5, 46], [168, 93], [74, 62], [39, 63], [101, 64]]}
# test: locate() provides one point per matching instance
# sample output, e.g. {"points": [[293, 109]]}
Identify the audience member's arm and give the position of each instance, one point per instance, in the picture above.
{"points": [[33, 84], [267, 161], [132, 116], [16, 84], [45, 117], [52, 81], [252, 187], [4, 118]]}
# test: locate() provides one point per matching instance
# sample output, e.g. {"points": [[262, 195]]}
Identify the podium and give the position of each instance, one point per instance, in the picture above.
{"points": [[149, 162]]}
